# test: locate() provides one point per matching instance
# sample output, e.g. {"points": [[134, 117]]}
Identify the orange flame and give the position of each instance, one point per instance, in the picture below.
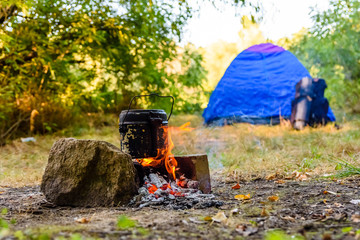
{"points": [[164, 156], [185, 127]]}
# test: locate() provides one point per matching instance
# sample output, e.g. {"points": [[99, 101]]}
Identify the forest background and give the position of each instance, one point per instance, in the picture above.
{"points": [[62, 61]]}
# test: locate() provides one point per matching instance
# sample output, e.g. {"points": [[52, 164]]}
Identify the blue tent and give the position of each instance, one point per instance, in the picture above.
{"points": [[257, 87]]}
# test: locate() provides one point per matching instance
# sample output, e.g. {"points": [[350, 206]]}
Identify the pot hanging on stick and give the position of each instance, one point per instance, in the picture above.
{"points": [[142, 131]]}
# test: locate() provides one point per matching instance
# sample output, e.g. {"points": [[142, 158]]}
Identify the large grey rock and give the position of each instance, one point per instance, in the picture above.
{"points": [[88, 173]]}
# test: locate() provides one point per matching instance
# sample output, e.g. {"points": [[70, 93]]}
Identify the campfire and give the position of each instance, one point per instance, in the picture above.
{"points": [[146, 136], [174, 182]]}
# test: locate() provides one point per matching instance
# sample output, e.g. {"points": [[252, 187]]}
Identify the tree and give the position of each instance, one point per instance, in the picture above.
{"points": [[250, 34], [61, 58], [218, 56], [332, 49], [65, 56]]}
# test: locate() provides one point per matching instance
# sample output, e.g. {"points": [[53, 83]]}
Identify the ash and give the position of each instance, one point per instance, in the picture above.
{"points": [[159, 193]]}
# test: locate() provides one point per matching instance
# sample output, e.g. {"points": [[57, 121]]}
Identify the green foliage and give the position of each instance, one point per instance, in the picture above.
{"points": [[63, 58], [125, 223], [19, 235], [331, 50], [219, 55], [280, 235], [76, 236], [311, 162], [338, 167], [4, 211], [3, 224], [346, 229], [344, 168]]}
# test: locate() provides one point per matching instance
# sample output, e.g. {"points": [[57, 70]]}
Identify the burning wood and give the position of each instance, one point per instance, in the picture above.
{"points": [[191, 172], [190, 190], [144, 132], [171, 195], [164, 156]]}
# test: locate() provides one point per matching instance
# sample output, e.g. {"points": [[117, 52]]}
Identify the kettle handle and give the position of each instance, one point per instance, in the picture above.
{"points": [[149, 95]]}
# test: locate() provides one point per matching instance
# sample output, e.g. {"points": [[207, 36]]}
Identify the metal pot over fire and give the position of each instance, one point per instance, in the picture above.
{"points": [[143, 133]]}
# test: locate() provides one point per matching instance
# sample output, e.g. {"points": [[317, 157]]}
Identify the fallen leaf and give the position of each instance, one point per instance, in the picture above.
{"points": [[338, 204], [280, 181], [208, 218], [125, 223], [82, 220], [237, 186], [346, 229], [288, 218], [195, 220], [242, 197], [219, 217], [1, 192], [290, 177], [325, 201], [302, 177], [355, 201], [339, 216], [264, 213], [246, 230], [272, 176], [329, 211], [327, 236], [273, 198], [185, 222], [355, 218], [330, 192]]}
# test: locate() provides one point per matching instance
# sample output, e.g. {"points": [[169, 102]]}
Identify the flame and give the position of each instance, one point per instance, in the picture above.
{"points": [[185, 127], [164, 156]]}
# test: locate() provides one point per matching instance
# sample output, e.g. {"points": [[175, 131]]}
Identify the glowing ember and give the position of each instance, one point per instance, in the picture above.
{"points": [[165, 186], [152, 189]]}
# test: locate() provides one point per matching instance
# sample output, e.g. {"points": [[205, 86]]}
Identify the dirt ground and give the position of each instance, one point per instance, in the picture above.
{"points": [[315, 209]]}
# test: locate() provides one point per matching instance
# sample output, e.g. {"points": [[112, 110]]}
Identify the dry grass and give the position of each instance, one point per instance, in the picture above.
{"points": [[247, 151], [23, 164], [241, 150]]}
